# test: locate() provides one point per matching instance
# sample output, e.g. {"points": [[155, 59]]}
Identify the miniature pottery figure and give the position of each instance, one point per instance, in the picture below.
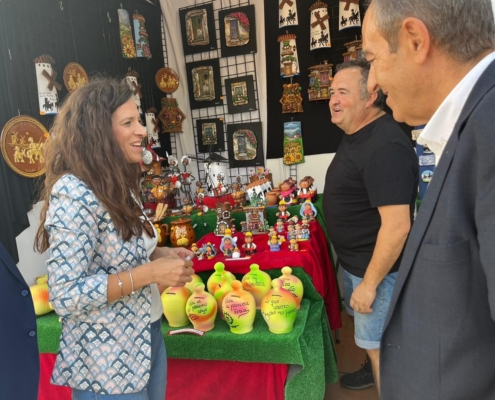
{"points": [[306, 190], [248, 246], [280, 226], [196, 250], [216, 277], [195, 279], [293, 284], [308, 210], [236, 253], [208, 251], [257, 282], [279, 308], [227, 245], [293, 245], [174, 301], [288, 191], [274, 243], [201, 309], [283, 214], [182, 233], [239, 309]]}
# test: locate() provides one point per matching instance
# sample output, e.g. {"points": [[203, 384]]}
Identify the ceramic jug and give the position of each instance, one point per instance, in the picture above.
{"points": [[279, 308], [195, 279], [162, 233], [174, 301], [201, 309], [224, 287], [293, 284], [239, 309], [257, 282], [182, 233], [216, 277]]}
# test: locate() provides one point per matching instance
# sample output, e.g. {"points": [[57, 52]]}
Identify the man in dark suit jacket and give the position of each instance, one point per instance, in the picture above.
{"points": [[435, 60], [19, 358]]}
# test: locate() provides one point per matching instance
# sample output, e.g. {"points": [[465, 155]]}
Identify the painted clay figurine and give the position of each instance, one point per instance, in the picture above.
{"points": [[306, 190], [291, 233], [293, 245], [279, 226], [288, 191], [283, 214], [308, 210], [248, 246], [209, 250], [274, 243], [197, 251], [227, 245]]}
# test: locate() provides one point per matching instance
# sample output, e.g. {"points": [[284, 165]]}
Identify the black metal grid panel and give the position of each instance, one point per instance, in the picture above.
{"points": [[230, 67]]}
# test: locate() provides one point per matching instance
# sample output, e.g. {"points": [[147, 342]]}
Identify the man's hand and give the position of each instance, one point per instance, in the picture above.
{"points": [[362, 298]]}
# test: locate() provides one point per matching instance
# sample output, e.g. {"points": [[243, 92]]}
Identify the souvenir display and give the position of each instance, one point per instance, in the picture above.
{"points": [[163, 232], [204, 84], [152, 128], [245, 144], [291, 99], [306, 190], [47, 85], [126, 40], [240, 94], [210, 134], [208, 251], [239, 309], [237, 31], [257, 282], [320, 79], [141, 36], [349, 14], [354, 50], [74, 76], [22, 142], [132, 81], [308, 210], [221, 290], [293, 284], [287, 13], [198, 29], [274, 243], [40, 296], [216, 277], [195, 280], [171, 115], [182, 233], [228, 243], [255, 219], [293, 245], [288, 191], [289, 63], [201, 309], [249, 246], [293, 143], [167, 80], [320, 26], [174, 300], [279, 308]]}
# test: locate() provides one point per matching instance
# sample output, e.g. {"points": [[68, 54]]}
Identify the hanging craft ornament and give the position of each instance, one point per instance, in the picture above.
{"points": [[74, 76], [287, 13], [354, 50], [349, 14], [126, 40], [152, 128], [291, 99], [167, 80], [245, 145], [236, 29], [289, 64], [47, 85], [197, 27], [22, 142], [140, 36], [132, 81], [171, 115], [293, 143], [320, 26], [320, 78]]}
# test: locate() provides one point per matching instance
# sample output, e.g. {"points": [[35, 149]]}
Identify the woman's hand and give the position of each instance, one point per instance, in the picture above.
{"points": [[171, 271], [172, 252]]}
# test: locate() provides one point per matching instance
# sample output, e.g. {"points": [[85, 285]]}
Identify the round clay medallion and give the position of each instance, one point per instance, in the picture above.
{"points": [[167, 80], [22, 142], [74, 76]]}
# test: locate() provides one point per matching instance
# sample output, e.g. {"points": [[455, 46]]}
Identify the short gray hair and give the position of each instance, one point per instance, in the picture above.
{"points": [[364, 67], [464, 29]]}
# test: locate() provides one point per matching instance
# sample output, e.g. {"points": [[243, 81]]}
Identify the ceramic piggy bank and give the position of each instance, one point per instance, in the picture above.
{"points": [[174, 301], [239, 309], [257, 282], [279, 308], [201, 309]]}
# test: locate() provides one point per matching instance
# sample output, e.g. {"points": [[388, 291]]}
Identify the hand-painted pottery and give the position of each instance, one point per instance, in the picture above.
{"points": [[216, 277], [224, 287], [239, 309], [195, 279], [174, 301], [293, 284], [257, 282], [279, 308], [201, 309]]}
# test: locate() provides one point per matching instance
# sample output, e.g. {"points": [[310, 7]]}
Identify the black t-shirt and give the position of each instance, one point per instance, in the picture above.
{"points": [[376, 166]]}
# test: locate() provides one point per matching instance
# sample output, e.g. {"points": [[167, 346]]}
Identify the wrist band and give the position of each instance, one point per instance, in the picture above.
{"points": [[132, 282], [121, 286]]}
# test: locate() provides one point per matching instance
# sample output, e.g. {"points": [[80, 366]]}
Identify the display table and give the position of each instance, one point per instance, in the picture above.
{"points": [[254, 365]]}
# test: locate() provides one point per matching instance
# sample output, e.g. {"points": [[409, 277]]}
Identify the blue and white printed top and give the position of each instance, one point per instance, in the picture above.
{"points": [[105, 348]]}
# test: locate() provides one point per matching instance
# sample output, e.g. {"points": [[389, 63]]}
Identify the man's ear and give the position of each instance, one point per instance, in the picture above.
{"points": [[415, 39], [371, 98]]}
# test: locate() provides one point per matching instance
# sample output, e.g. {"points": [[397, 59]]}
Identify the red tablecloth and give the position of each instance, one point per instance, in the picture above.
{"points": [[313, 257], [196, 380]]}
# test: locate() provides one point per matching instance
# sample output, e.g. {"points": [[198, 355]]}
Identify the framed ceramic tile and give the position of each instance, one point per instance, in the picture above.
{"points": [[204, 85], [245, 144], [210, 135], [240, 94], [198, 29], [237, 31]]}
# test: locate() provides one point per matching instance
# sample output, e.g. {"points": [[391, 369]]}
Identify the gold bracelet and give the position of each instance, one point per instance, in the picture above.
{"points": [[121, 285], [132, 283]]}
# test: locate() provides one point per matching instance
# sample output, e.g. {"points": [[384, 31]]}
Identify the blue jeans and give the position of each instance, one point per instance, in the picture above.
{"points": [[368, 328], [155, 390]]}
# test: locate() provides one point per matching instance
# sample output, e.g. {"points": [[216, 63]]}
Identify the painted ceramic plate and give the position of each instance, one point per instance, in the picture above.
{"points": [[74, 76], [22, 142], [167, 80]]}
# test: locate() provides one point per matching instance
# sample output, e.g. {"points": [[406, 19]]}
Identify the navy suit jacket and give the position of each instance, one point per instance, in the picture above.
{"points": [[439, 337], [19, 358]]}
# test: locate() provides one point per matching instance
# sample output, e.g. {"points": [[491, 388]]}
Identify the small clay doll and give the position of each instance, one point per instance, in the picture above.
{"points": [[159, 190], [293, 245], [209, 250], [308, 210], [305, 231], [274, 243], [227, 245], [233, 229], [294, 219], [244, 227], [298, 231], [283, 214], [248, 246], [271, 231], [187, 208], [197, 251], [291, 233], [288, 191], [279, 226], [306, 190], [236, 253]]}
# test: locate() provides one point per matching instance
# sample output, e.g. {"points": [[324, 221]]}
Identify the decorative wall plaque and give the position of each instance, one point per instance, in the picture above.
{"points": [[125, 30], [171, 115], [320, 78], [22, 142], [204, 84], [167, 80], [198, 29], [237, 31], [74, 76], [289, 63], [287, 13], [152, 128], [240, 94], [354, 50], [46, 79], [141, 36], [132, 81], [349, 14], [291, 99], [319, 26]]}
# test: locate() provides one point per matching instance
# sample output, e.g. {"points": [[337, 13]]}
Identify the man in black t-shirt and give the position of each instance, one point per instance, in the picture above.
{"points": [[369, 198]]}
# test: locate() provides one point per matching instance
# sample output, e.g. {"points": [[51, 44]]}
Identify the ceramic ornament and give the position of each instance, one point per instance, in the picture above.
{"points": [[47, 85], [291, 99], [289, 64], [293, 143], [287, 13], [236, 29], [279, 308], [171, 115], [141, 36], [74, 76], [132, 81], [319, 26], [239, 309], [320, 79], [257, 282], [126, 40], [174, 300], [201, 309], [349, 14], [354, 50], [293, 284], [152, 128]]}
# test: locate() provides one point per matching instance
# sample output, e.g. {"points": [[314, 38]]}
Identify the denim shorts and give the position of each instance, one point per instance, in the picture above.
{"points": [[368, 328]]}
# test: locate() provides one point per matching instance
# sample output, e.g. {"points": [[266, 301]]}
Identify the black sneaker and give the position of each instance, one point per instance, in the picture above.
{"points": [[360, 379]]}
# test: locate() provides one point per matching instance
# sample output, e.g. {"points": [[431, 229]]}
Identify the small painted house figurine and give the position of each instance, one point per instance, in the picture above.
{"points": [[289, 63], [354, 50], [255, 218], [320, 78], [224, 220]]}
